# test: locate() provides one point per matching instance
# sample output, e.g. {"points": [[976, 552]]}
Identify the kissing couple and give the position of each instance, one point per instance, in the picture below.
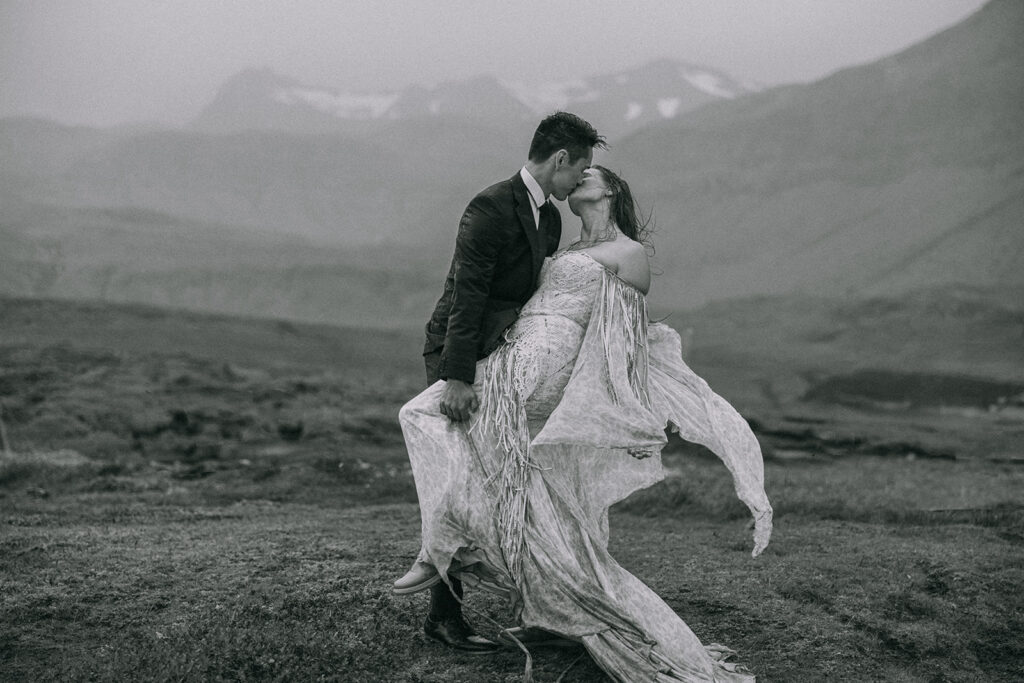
{"points": [[550, 395]]}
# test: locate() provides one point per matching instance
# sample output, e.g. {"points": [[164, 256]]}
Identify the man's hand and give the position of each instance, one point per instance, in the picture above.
{"points": [[459, 400]]}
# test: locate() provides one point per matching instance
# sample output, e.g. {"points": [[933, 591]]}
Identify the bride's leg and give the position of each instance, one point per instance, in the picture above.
{"points": [[426, 439], [432, 442]]}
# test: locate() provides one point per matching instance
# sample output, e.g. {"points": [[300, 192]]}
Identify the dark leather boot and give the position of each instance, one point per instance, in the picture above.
{"points": [[454, 632]]}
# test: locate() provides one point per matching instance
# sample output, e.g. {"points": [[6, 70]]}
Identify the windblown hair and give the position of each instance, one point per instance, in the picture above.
{"points": [[624, 211], [563, 130]]}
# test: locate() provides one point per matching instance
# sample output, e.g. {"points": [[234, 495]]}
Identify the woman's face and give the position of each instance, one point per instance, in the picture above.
{"points": [[591, 190]]}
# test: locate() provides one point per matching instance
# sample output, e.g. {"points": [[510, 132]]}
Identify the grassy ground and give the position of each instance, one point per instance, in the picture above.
{"points": [[100, 583], [173, 513]]}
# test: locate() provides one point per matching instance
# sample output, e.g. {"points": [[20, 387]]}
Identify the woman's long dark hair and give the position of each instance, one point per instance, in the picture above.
{"points": [[624, 210]]}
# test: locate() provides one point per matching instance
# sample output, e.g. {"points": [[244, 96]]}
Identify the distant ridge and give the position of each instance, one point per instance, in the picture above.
{"points": [[622, 101]]}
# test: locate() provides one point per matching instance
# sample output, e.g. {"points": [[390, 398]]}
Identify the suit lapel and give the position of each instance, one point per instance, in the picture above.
{"points": [[521, 198]]}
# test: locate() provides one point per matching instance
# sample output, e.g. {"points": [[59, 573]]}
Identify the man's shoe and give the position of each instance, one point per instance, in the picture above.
{"points": [[456, 633], [421, 577], [536, 637]]}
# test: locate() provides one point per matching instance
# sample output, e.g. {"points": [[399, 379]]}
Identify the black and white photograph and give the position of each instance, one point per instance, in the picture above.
{"points": [[452, 341]]}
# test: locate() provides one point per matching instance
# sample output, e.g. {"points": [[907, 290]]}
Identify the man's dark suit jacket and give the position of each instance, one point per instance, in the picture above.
{"points": [[498, 255]]}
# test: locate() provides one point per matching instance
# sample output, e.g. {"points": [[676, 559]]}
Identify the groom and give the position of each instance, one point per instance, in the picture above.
{"points": [[504, 235]]}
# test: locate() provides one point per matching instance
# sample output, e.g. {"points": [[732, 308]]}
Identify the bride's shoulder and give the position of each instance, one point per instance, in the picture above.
{"points": [[634, 249], [631, 253], [633, 265]]}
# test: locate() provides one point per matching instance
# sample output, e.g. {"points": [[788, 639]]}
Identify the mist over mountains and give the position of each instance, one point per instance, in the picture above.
{"points": [[300, 201]]}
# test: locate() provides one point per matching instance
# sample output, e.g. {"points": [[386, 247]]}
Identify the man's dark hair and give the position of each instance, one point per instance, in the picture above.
{"points": [[563, 130]]}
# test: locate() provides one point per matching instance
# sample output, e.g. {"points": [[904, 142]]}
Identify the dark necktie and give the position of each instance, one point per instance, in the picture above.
{"points": [[542, 225], [544, 217]]}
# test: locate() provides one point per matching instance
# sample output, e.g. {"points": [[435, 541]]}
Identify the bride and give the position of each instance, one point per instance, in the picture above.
{"points": [[574, 407]]}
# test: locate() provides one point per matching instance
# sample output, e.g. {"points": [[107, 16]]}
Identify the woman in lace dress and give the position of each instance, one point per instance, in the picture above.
{"points": [[574, 407]]}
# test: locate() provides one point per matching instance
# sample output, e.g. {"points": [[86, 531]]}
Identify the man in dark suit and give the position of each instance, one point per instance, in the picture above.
{"points": [[504, 235]]}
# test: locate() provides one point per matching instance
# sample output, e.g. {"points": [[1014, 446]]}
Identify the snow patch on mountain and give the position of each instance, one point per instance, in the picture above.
{"points": [[708, 82], [669, 106], [547, 97], [342, 105]]}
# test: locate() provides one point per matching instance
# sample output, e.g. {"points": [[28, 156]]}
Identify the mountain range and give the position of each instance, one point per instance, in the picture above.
{"points": [[624, 101], [298, 201]]}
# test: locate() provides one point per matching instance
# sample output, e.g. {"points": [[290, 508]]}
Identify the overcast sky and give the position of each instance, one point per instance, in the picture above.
{"points": [[102, 62]]}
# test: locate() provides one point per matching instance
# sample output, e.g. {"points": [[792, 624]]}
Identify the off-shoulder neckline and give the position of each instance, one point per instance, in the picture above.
{"points": [[605, 268]]}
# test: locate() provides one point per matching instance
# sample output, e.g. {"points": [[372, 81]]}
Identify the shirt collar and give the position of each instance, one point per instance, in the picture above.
{"points": [[533, 187]]}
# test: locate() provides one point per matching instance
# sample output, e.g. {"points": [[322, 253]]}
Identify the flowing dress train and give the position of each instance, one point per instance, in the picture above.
{"points": [[574, 407]]}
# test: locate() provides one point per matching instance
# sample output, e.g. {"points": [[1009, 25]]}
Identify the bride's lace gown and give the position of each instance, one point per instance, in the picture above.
{"points": [[573, 416]]}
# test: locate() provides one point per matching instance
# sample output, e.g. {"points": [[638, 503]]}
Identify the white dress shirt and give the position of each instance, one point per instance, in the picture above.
{"points": [[537, 197]]}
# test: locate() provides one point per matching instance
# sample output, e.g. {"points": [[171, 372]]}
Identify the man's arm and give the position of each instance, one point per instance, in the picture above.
{"points": [[477, 247]]}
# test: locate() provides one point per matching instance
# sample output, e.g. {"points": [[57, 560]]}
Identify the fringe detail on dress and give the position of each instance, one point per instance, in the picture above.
{"points": [[622, 306], [622, 309], [503, 415]]}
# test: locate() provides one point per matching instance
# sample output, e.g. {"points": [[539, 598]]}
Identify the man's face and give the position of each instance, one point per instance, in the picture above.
{"points": [[568, 175]]}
